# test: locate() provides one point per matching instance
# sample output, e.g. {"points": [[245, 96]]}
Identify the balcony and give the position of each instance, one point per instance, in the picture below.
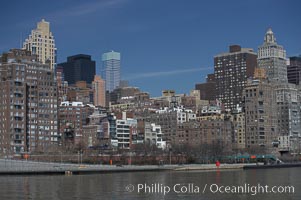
{"points": [[19, 114], [17, 143], [17, 103], [17, 118], [18, 107], [18, 82], [18, 130]]}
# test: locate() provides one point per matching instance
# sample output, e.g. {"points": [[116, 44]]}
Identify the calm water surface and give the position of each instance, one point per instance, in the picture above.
{"points": [[114, 185]]}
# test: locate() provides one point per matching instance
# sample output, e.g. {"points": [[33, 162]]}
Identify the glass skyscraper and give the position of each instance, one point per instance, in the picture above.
{"points": [[111, 70], [79, 67]]}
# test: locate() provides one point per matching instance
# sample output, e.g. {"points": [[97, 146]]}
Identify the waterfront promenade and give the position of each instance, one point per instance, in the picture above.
{"points": [[26, 167], [8, 166]]}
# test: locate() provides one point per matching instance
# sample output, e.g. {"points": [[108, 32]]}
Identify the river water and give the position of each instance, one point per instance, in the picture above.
{"points": [[201, 185]]}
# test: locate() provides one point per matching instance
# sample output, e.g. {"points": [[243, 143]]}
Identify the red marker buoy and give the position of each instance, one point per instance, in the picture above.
{"points": [[217, 163]]}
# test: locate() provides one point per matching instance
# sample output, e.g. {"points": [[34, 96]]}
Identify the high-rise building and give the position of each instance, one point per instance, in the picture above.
{"points": [[294, 70], [78, 68], [41, 43], [28, 104], [207, 90], [289, 113], [111, 70], [260, 115], [272, 58], [72, 119], [239, 137], [99, 92], [272, 115], [231, 72], [62, 85]]}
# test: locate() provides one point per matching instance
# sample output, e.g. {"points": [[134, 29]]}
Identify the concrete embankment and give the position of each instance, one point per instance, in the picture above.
{"points": [[17, 167], [283, 165], [23, 167], [244, 166], [211, 167]]}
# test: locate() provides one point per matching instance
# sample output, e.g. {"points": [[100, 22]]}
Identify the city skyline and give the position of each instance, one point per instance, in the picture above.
{"points": [[155, 47]]}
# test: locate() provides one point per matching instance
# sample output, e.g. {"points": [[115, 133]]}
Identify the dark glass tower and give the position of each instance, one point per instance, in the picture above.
{"points": [[78, 68], [294, 70]]}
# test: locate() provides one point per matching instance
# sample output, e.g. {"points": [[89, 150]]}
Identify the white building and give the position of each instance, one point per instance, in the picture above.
{"points": [[72, 103], [284, 143], [125, 128], [41, 43], [211, 109], [154, 135], [183, 114], [123, 134]]}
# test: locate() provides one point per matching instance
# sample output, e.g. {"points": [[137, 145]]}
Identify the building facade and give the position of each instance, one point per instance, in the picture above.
{"points": [[261, 115], [231, 72], [154, 136], [73, 117], [288, 110], [62, 85], [28, 99], [111, 70], [99, 92], [294, 70], [205, 133], [238, 120], [272, 58], [78, 68], [207, 90], [125, 129], [41, 43], [81, 91]]}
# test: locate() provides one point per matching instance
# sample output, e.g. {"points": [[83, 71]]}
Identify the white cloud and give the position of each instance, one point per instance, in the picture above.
{"points": [[87, 8], [60, 15], [165, 73]]}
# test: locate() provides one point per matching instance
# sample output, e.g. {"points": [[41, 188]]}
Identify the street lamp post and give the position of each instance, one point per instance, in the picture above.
{"points": [[170, 156], [130, 158]]}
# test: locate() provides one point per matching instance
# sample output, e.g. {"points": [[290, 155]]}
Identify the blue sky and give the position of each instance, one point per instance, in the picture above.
{"points": [[164, 44]]}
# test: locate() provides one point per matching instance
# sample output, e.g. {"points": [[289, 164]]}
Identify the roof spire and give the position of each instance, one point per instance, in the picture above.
{"points": [[269, 36]]}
